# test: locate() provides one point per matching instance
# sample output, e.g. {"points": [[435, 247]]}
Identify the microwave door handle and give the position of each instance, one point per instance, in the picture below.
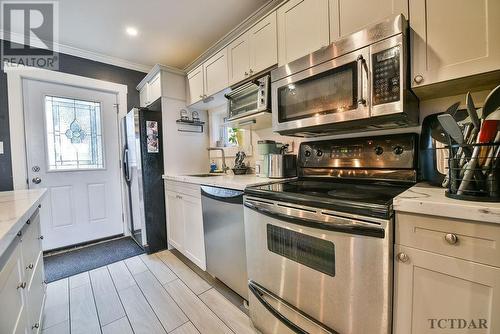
{"points": [[259, 293], [361, 63]]}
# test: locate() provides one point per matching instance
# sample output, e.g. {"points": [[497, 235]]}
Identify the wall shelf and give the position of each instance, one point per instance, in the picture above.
{"points": [[190, 126]]}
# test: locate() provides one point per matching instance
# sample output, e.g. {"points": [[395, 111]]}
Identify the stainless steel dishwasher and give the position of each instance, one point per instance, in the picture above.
{"points": [[225, 237]]}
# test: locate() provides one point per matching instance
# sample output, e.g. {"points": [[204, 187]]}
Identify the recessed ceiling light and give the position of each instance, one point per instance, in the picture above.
{"points": [[131, 31]]}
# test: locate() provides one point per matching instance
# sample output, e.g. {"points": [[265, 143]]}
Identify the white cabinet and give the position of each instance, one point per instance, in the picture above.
{"points": [[215, 73], [185, 221], [150, 91], [430, 287], [22, 286], [348, 16], [303, 27], [254, 51], [446, 269], [12, 299], [239, 59], [462, 42], [195, 85]]}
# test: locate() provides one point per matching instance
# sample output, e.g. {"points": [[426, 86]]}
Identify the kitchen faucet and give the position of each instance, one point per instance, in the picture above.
{"points": [[224, 166]]}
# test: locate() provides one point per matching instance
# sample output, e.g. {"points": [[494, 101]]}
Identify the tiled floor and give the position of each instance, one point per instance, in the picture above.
{"points": [[147, 294]]}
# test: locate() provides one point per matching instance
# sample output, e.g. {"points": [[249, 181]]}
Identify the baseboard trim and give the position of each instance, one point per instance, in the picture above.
{"points": [[64, 249]]}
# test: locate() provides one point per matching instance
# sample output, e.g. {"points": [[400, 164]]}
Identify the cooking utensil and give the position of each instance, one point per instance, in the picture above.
{"points": [[471, 110], [491, 103], [486, 135]]}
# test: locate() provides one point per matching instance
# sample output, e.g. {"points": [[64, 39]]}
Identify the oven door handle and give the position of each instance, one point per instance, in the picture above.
{"points": [[357, 229], [259, 292]]}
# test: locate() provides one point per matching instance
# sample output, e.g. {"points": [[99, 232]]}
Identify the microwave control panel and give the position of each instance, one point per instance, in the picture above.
{"points": [[386, 76]]}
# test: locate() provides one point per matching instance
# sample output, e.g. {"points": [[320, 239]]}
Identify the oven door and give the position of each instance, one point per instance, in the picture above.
{"points": [[335, 277], [331, 92]]}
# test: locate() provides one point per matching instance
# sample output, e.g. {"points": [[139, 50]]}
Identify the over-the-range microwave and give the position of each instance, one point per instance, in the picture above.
{"points": [[359, 82]]}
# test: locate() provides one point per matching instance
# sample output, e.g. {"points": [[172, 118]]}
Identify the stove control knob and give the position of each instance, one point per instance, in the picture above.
{"points": [[307, 154], [319, 153], [379, 150], [398, 150]]}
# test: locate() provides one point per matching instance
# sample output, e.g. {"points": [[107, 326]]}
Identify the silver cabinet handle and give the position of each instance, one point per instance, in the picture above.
{"points": [[30, 266], [251, 71], [418, 79], [451, 238], [201, 96], [36, 325], [21, 285], [36, 180], [246, 74], [40, 237], [403, 257]]}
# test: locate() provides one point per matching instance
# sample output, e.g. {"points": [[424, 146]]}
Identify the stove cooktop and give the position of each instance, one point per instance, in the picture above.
{"points": [[372, 199]]}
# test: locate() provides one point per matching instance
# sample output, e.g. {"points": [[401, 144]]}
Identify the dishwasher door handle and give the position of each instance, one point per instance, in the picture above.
{"points": [[222, 194]]}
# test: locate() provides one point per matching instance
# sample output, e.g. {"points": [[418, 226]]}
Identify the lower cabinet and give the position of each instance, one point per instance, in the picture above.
{"points": [[439, 293], [185, 221], [22, 285]]}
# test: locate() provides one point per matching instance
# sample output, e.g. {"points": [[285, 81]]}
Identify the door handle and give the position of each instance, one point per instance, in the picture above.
{"points": [[361, 66], [36, 180]]}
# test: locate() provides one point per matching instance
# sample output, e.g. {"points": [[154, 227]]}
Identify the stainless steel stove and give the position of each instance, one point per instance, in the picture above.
{"points": [[319, 248]]}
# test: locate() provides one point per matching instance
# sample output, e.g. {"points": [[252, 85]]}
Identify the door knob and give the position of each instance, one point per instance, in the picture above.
{"points": [[418, 79], [36, 180], [403, 257], [451, 238]]}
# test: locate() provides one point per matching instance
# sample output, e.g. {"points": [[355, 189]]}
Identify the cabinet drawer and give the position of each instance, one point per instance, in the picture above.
{"points": [[478, 242], [31, 245], [189, 189]]}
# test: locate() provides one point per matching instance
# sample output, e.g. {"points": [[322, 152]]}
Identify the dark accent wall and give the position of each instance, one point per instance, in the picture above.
{"points": [[67, 64]]}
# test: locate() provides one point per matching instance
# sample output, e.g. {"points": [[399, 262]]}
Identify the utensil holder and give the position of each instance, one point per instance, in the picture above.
{"points": [[474, 172]]}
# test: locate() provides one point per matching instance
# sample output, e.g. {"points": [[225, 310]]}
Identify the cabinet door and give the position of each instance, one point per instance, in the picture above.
{"points": [[175, 220], [453, 39], [348, 16], [215, 72], [238, 53], [194, 241], [303, 27], [12, 298], [195, 85], [263, 44], [429, 286], [154, 89], [35, 296], [143, 96]]}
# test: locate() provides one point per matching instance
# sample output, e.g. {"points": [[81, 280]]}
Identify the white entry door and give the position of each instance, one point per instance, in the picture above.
{"points": [[72, 144]]}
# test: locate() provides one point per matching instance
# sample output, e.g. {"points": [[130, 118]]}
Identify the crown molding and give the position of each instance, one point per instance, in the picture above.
{"points": [[77, 52], [235, 32]]}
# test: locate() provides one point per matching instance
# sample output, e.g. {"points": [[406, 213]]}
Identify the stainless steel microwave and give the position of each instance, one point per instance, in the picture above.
{"points": [[358, 82], [250, 98]]}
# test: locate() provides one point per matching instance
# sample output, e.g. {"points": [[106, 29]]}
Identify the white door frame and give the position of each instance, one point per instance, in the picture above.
{"points": [[15, 79]]}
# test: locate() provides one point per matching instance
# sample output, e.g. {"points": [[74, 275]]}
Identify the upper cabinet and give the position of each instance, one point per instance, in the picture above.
{"points": [[348, 16], [254, 51], [161, 81], [150, 91], [195, 85], [303, 27], [452, 39], [263, 44], [215, 73]]}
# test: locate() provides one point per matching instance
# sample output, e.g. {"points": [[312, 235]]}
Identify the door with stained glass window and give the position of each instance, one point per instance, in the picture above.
{"points": [[72, 143]]}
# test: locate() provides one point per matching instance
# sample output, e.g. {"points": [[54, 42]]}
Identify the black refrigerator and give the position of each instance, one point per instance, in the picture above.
{"points": [[143, 169]]}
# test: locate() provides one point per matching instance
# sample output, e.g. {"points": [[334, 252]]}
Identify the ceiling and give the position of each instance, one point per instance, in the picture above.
{"points": [[170, 32]]}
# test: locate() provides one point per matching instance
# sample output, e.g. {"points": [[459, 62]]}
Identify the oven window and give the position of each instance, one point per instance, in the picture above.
{"points": [[332, 91], [312, 252]]}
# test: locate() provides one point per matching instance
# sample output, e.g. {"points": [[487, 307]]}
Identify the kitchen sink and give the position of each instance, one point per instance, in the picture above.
{"points": [[206, 175]]}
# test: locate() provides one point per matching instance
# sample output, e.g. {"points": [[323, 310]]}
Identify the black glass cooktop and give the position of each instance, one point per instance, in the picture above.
{"points": [[373, 199]]}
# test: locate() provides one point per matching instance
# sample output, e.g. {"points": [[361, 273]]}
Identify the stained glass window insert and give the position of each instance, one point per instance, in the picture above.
{"points": [[74, 134]]}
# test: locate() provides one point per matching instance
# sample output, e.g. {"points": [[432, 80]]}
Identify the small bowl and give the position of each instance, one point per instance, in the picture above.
{"points": [[240, 170]]}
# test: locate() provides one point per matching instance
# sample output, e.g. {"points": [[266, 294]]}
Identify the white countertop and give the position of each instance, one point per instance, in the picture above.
{"points": [[429, 200], [230, 181], [16, 207]]}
